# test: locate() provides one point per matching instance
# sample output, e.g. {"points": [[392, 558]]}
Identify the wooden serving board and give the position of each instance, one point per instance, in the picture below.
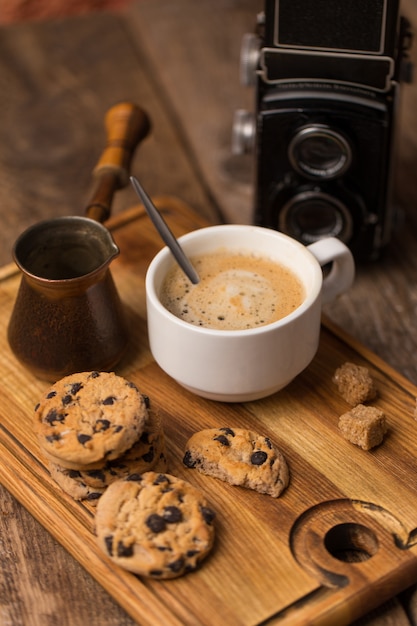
{"points": [[275, 561]]}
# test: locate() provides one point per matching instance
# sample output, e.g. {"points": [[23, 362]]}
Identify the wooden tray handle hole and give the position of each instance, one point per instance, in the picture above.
{"points": [[351, 543]]}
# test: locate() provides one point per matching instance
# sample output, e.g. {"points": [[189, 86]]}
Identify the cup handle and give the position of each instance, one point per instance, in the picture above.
{"points": [[342, 272]]}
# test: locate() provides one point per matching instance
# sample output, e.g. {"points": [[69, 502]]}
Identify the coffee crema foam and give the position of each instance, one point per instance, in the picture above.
{"points": [[236, 291]]}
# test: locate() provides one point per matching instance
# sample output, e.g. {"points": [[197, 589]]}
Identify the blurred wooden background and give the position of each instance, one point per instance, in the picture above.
{"points": [[27, 10], [59, 73]]}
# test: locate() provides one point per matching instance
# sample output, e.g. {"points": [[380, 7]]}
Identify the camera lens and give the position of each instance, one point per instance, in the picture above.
{"points": [[312, 215], [319, 152]]}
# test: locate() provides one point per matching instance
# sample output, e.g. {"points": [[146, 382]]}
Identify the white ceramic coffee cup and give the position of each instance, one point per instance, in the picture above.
{"points": [[243, 365]]}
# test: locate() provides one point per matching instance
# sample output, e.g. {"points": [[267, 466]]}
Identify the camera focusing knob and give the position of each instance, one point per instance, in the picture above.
{"points": [[249, 59], [243, 135]]}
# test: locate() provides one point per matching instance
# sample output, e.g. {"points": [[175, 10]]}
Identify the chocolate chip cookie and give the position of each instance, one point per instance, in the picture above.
{"points": [[148, 453], [90, 485], [239, 457], [154, 525], [74, 488], [89, 417]]}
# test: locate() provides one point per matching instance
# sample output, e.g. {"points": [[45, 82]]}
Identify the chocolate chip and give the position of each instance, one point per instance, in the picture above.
{"points": [[51, 394], [148, 457], [118, 428], [258, 458], [54, 416], [172, 514], [155, 573], [53, 437], [74, 473], [75, 388], [102, 424], [144, 438], [66, 400], [228, 431], [109, 400], [94, 374], [83, 438], [190, 567], [188, 460], [109, 544], [134, 477], [146, 400], [161, 478], [37, 406], [123, 550], [208, 514], [155, 523], [98, 474], [222, 439], [176, 566], [191, 553], [268, 442], [94, 496]]}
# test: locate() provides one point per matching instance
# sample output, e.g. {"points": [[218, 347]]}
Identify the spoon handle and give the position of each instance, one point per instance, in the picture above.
{"points": [[165, 232]]}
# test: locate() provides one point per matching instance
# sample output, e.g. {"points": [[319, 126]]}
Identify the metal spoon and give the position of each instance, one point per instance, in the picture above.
{"points": [[166, 234]]}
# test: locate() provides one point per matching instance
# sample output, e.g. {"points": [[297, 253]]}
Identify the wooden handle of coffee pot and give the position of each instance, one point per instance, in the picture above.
{"points": [[126, 126]]}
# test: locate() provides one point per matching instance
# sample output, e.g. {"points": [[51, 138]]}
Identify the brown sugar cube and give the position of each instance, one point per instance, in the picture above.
{"points": [[365, 426], [354, 383]]}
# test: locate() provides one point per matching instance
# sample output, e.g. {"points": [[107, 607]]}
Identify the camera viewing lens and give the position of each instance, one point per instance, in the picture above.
{"points": [[319, 152], [312, 215]]}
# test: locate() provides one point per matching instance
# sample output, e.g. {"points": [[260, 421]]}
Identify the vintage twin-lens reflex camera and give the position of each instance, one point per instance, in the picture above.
{"points": [[327, 76]]}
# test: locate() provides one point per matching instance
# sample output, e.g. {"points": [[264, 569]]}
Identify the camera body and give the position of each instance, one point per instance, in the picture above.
{"points": [[326, 76]]}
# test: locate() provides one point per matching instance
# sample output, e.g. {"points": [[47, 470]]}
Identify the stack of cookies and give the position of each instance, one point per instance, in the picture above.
{"points": [[105, 444], [95, 428]]}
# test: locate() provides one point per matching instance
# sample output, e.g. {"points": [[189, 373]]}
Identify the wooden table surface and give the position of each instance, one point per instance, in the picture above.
{"points": [[179, 60]]}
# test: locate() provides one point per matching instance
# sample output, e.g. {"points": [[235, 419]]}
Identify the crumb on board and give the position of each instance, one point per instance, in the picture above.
{"points": [[364, 426], [354, 383]]}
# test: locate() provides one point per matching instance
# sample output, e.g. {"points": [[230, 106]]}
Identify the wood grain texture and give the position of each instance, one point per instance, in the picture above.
{"points": [[332, 482], [20, 10], [180, 61], [57, 80], [202, 86]]}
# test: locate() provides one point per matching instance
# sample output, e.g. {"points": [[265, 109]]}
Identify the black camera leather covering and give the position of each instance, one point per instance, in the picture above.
{"points": [[327, 80]]}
